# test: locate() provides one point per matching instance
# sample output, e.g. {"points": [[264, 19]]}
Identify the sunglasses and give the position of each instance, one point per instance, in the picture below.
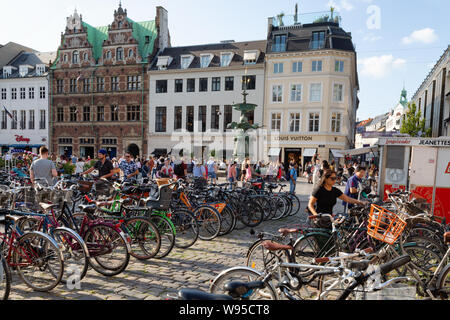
{"points": [[333, 178]]}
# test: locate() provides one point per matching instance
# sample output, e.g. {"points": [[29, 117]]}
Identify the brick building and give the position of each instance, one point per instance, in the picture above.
{"points": [[99, 86]]}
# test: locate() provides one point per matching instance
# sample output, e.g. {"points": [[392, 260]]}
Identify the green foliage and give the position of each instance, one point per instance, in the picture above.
{"points": [[414, 124], [213, 153], [88, 165], [68, 168]]}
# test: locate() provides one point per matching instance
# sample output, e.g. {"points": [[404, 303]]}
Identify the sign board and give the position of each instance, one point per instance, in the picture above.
{"points": [[292, 138], [426, 142]]}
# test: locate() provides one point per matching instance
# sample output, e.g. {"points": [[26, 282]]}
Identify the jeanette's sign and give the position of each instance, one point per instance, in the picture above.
{"points": [[22, 139], [292, 138], [416, 142], [437, 143]]}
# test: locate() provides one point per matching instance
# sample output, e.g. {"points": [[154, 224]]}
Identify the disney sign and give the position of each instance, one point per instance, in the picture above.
{"points": [[22, 139]]}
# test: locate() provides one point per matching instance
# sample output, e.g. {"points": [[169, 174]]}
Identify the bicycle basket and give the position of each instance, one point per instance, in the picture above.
{"points": [[165, 198], [163, 181], [85, 186], [384, 225]]}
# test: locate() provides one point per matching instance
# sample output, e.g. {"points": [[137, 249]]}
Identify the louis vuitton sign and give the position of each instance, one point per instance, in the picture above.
{"points": [[292, 138]]}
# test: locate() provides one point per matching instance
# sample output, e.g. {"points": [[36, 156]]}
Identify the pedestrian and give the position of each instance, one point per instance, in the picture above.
{"points": [[79, 166], [212, 170], [352, 186], [293, 177], [103, 165], [180, 169], [166, 170], [248, 173], [232, 174], [129, 168], [43, 169]]}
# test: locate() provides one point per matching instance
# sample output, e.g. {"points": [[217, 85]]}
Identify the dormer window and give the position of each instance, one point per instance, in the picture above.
{"points": [[7, 72], [251, 56], [225, 59], [279, 43], [164, 62], [318, 40], [205, 60], [75, 57], [186, 61], [40, 69], [23, 71]]}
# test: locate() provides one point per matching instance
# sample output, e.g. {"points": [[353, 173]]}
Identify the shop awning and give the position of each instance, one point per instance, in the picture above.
{"points": [[337, 153], [309, 152], [274, 152], [357, 152]]}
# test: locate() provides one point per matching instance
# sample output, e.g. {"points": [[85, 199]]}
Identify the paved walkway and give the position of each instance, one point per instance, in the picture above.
{"points": [[154, 279]]}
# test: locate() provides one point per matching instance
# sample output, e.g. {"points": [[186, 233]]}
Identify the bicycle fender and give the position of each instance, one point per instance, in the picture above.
{"points": [[254, 244], [49, 238], [78, 237]]}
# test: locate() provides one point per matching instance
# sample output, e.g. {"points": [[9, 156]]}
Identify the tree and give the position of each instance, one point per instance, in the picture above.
{"points": [[413, 123]]}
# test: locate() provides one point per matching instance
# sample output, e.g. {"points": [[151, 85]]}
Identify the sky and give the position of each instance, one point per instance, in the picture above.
{"points": [[397, 42]]}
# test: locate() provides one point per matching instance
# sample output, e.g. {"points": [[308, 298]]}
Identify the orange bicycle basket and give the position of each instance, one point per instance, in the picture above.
{"points": [[384, 225]]}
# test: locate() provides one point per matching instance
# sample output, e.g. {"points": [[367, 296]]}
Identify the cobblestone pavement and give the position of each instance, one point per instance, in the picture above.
{"points": [[194, 267]]}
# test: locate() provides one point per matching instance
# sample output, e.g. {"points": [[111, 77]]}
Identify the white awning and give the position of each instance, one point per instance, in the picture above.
{"points": [[274, 152], [164, 61], [356, 152], [337, 153], [309, 152], [250, 55]]}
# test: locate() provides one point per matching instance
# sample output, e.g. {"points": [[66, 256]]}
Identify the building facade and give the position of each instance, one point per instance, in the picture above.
{"points": [[395, 118], [192, 90], [433, 97], [24, 98], [311, 89], [99, 86]]}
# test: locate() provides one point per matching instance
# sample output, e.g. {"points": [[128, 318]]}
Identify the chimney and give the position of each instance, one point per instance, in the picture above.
{"points": [[270, 26]]}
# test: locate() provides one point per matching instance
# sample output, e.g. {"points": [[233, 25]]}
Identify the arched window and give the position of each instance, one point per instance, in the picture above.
{"points": [[108, 55], [75, 57], [119, 25], [65, 58], [119, 54], [130, 53], [86, 57]]}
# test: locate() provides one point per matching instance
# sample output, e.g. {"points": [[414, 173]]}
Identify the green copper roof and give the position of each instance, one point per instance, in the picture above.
{"points": [[96, 36], [140, 31]]}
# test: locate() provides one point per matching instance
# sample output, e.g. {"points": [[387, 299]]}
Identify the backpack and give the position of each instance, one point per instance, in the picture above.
{"points": [[288, 175], [178, 170]]}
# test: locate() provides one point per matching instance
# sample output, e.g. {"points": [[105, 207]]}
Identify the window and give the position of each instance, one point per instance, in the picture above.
{"points": [[205, 60], [279, 43], [178, 85], [73, 85], [114, 83], [42, 92], [190, 119], [40, 69], [23, 120], [22, 93], [86, 85], [32, 121], [4, 120], [225, 59], [338, 90], [228, 118], [202, 118], [315, 92], [65, 58], [119, 25], [317, 66], [318, 40], [276, 121], [86, 57], [178, 124], [75, 57], [65, 140], [31, 93], [133, 113], [277, 93], [134, 83], [14, 94], [73, 114], [250, 56], [161, 115], [130, 53], [185, 62], [111, 142], [100, 84], [3, 93], [161, 86], [297, 66], [190, 85], [215, 114], [215, 84], [203, 84], [114, 113], [248, 82], [14, 120], [278, 67], [86, 114], [336, 122], [119, 54], [229, 83], [108, 55], [60, 114], [339, 66], [294, 122], [296, 93], [314, 121], [59, 86], [42, 120], [100, 113]]}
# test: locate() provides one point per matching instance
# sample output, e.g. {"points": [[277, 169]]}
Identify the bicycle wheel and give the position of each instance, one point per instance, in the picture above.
{"points": [[261, 259], [209, 222], [228, 221], [186, 227], [39, 261], [76, 256], [168, 234], [280, 208], [252, 214], [5, 279], [443, 283], [108, 250], [245, 275], [295, 204], [289, 205], [145, 237], [306, 248]]}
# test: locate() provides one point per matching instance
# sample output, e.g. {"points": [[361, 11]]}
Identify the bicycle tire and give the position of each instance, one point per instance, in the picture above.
{"points": [[209, 222], [261, 259], [280, 208], [101, 240], [145, 237], [43, 250], [245, 275], [186, 228], [228, 221], [253, 213], [443, 283], [167, 232], [295, 203], [289, 207], [5, 279]]}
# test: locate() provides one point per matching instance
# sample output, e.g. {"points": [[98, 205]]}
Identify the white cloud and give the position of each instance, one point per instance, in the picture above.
{"points": [[342, 5], [425, 36], [380, 66], [371, 38]]}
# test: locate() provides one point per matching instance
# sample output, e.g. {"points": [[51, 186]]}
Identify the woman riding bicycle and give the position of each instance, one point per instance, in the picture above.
{"points": [[324, 198]]}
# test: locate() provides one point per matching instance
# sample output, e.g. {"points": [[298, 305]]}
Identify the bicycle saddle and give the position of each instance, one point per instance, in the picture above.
{"points": [[46, 206], [273, 246], [238, 289], [193, 294], [359, 265], [286, 231], [447, 238], [88, 208]]}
